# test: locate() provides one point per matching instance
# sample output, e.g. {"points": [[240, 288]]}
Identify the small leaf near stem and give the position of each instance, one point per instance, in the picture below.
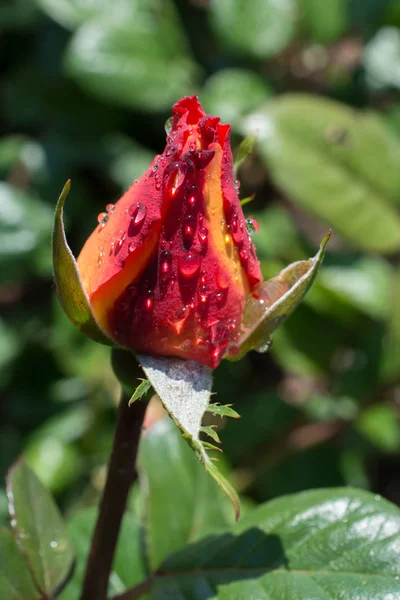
{"points": [[140, 391]]}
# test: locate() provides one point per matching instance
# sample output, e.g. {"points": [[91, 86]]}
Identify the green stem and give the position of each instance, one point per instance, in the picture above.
{"points": [[121, 475]]}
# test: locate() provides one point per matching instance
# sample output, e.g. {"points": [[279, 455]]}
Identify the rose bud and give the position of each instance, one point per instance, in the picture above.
{"points": [[170, 266]]}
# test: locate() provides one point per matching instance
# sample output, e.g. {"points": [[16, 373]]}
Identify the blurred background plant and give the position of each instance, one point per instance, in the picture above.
{"points": [[85, 90]]}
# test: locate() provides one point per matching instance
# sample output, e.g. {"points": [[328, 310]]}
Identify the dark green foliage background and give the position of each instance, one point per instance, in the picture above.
{"points": [[85, 90]]}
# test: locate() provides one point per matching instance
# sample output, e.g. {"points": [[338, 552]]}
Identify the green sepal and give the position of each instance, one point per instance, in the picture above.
{"points": [[71, 292], [285, 292]]}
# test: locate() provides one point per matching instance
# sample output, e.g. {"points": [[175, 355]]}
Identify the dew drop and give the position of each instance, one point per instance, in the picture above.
{"points": [[186, 344], [203, 234], [189, 264], [102, 218], [165, 263], [181, 313], [149, 299], [131, 247], [110, 208], [220, 335], [237, 185], [232, 349], [252, 226], [137, 212], [188, 230], [158, 185], [177, 177], [168, 125], [244, 255], [193, 196], [222, 280], [264, 347], [53, 544], [119, 243]]}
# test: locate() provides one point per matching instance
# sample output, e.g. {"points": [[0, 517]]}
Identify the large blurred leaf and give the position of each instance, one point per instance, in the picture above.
{"points": [[335, 543], [339, 164], [325, 21], [258, 28], [184, 388], [139, 60], [381, 58], [71, 13], [171, 477], [233, 93], [39, 529], [25, 226], [15, 579], [128, 566]]}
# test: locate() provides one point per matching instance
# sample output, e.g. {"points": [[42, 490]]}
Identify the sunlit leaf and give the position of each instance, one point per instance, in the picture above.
{"points": [[339, 164], [334, 543], [39, 529], [16, 582]]}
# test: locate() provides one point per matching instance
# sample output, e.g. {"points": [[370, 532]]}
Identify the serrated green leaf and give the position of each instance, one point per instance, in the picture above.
{"points": [[16, 582], [178, 479], [210, 431], [334, 543], [278, 299], [339, 164], [39, 529], [184, 388], [70, 289], [140, 391], [224, 410]]}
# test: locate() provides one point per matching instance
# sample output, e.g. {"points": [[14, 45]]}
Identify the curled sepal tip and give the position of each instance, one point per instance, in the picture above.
{"points": [[71, 292], [273, 301], [184, 388]]}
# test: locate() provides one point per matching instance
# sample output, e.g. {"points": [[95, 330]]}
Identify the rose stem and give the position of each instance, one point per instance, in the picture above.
{"points": [[121, 475]]}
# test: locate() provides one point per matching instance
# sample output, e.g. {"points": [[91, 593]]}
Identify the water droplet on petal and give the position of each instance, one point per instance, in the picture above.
{"points": [[137, 212], [149, 299], [178, 172], [186, 344], [119, 243], [244, 255], [220, 335], [237, 185], [131, 247], [102, 218], [110, 208], [168, 125], [232, 349], [193, 196], [189, 264], [252, 226], [203, 234], [188, 230], [165, 263], [222, 280]]}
